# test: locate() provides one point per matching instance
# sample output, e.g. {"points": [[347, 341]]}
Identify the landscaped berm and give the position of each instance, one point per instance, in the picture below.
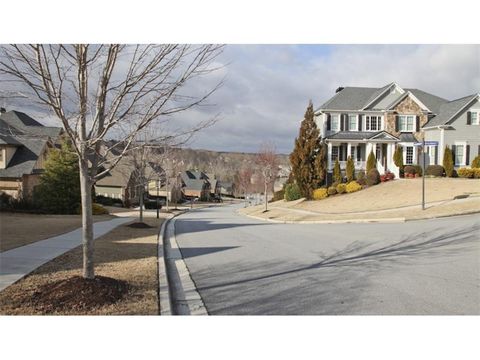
{"points": [[125, 283], [399, 199]]}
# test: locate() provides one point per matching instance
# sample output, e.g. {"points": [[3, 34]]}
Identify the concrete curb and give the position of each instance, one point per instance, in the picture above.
{"points": [[340, 221], [445, 216], [177, 292], [163, 291]]}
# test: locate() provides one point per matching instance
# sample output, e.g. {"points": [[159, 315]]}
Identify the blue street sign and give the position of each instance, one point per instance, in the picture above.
{"points": [[431, 143]]}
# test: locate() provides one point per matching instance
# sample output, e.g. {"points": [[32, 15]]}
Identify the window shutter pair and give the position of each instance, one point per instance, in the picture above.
{"points": [[454, 152], [469, 118]]}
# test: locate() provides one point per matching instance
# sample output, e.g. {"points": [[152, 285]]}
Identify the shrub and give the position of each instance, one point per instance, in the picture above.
{"points": [[319, 194], [353, 186], [108, 201], [476, 162], [389, 175], [335, 184], [341, 188], [332, 190], [337, 173], [371, 162], [476, 173], [398, 157], [350, 170], [418, 170], [361, 177], [466, 173], [278, 195], [373, 177], [448, 162], [434, 170], [292, 192], [409, 169], [97, 209]]}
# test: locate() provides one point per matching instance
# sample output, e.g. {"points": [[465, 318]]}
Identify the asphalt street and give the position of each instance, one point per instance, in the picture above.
{"points": [[245, 266]]}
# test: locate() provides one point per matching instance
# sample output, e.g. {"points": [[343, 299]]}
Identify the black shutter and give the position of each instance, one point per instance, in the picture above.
{"points": [[340, 152], [359, 122], [329, 122], [359, 153], [347, 122], [467, 155], [342, 122], [469, 118], [397, 126], [418, 124], [478, 150], [435, 148], [453, 154]]}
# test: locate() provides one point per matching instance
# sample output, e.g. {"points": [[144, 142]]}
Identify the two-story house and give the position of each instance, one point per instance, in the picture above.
{"points": [[358, 120]]}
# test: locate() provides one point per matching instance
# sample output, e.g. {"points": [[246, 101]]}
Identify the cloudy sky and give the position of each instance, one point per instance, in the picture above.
{"points": [[267, 87]]}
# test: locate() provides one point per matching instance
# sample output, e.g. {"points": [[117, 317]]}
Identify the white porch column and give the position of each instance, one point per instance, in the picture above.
{"points": [[349, 150], [368, 149], [329, 159]]}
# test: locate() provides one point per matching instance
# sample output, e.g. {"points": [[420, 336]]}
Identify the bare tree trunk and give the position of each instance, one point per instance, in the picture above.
{"points": [[266, 203], [87, 222], [141, 203]]}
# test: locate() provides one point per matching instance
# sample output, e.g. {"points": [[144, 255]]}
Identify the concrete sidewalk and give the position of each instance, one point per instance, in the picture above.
{"points": [[18, 262]]}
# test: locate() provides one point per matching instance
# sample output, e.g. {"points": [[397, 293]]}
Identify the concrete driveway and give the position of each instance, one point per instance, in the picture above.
{"points": [[244, 266]]}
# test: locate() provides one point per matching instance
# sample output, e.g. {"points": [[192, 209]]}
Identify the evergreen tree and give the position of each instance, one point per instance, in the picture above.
{"points": [[398, 157], [350, 170], [337, 173], [448, 164], [59, 188], [371, 161], [308, 158]]}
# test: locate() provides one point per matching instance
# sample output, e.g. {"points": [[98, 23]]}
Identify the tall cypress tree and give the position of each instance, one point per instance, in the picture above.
{"points": [[308, 156]]}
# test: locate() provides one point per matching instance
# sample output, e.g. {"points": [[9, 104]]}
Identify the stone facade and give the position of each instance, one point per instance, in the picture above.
{"points": [[406, 107]]}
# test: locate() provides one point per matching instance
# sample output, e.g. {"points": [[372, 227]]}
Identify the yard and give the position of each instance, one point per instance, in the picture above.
{"points": [[399, 198], [17, 229], [126, 253]]}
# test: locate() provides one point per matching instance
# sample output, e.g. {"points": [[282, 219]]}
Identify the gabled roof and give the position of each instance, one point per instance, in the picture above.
{"points": [[408, 137], [431, 101], [194, 184], [362, 135], [377, 94], [25, 123], [8, 140], [25, 157], [449, 110]]}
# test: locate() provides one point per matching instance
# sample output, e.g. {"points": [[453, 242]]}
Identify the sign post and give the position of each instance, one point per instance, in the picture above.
{"points": [[423, 144]]}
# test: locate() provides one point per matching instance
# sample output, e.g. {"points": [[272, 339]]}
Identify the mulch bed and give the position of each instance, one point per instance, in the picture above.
{"points": [[139, 225], [76, 294]]}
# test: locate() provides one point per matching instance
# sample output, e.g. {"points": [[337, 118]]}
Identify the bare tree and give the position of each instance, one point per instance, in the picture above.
{"points": [[267, 164], [96, 89], [244, 181]]}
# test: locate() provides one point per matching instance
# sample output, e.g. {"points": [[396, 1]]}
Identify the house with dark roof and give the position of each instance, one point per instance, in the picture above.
{"points": [[360, 120], [24, 146], [457, 126], [195, 184]]}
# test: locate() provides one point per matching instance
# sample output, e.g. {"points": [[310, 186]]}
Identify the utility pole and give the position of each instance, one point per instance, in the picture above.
{"points": [[158, 199], [166, 188], [423, 173]]}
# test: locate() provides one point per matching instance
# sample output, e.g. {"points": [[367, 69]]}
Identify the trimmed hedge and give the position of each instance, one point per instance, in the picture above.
{"points": [[468, 173], [418, 170], [361, 177], [353, 186], [435, 170], [341, 188], [332, 190], [476, 162], [97, 209], [278, 195], [319, 194], [292, 192], [409, 169], [373, 177]]}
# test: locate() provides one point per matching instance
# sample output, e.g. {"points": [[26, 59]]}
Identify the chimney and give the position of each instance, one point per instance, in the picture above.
{"points": [[339, 89], [3, 110]]}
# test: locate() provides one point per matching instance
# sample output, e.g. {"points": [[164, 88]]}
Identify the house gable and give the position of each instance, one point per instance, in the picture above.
{"points": [[407, 106]]}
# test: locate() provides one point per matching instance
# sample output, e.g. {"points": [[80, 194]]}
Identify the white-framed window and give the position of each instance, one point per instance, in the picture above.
{"points": [[460, 154], [475, 117], [335, 152], [373, 123], [352, 122], [335, 122], [409, 155], [406, 123]]}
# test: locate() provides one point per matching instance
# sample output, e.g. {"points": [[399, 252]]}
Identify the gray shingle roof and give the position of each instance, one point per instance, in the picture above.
{"points": [[408, 137], [194, 184], [431, 101], [356, 135], [448, 110], [350, 98], [25, 123], [8, 140], [25, 157]]}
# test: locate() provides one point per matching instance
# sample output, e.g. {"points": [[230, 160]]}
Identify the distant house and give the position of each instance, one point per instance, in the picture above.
{"points": [[24, 146], [227, 188], [195, 184]]}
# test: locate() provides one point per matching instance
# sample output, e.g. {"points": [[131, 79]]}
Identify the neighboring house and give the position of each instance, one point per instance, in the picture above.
{"points": [[358, 120], [24, 146], [195, 184], [458, 126], [227, 188]]}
